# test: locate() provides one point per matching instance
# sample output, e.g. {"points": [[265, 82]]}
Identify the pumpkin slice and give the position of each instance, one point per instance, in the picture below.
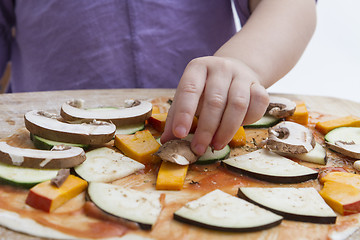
{"points": [[47, 197], [171, 176], [348, 121], [140, 146], [301, 114]]}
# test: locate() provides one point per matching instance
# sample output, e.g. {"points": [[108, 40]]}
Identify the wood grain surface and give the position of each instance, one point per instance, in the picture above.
{"points": [[14, 106]]}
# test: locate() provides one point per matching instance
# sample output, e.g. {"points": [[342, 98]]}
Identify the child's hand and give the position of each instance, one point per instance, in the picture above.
{"points": [[224, 93]]}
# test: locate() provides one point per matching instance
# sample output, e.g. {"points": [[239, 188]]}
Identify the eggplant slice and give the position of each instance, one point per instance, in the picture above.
{"points": [[268, 166], [141, 207], [220, 211], [297, 204]]}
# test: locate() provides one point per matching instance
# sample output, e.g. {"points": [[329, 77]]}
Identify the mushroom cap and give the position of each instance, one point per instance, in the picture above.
{"points": [[350, 149], [290, 137], [280, 107], [48, 126], [177, 151], [66, 157], [134, 111]]}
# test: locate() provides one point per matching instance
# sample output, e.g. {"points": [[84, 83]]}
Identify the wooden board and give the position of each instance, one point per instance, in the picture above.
{"points": [[14, 106]]}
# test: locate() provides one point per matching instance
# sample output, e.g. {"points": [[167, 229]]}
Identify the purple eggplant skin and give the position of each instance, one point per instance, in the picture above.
{"points": [[291, 216], [271, 178], [143, 226], [224, 229]]}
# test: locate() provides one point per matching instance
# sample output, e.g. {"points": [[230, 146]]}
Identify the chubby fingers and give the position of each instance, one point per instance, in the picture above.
{"points": [[234, 113], [186, 99], [243, 107], [259, 102], [213, 104], [224, 94]]}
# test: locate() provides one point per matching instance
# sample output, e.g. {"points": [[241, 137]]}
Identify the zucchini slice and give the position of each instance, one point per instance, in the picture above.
{"points": [[130, 129], [25, 177], [45, 144], [141, 207], [265, 122], [269, 166], [218, 210], [211, 156], [344, 134], [106, 165], [214, 156], [297, 204]]}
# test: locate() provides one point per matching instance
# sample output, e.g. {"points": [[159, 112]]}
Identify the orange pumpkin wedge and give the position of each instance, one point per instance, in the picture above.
{"points": [[348, 121], [171, 176], [47, 197], [301, 114], [140, 146], [239, 138]]}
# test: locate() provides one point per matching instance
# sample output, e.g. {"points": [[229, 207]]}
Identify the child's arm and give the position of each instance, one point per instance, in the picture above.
{"points": [[228, 89]]}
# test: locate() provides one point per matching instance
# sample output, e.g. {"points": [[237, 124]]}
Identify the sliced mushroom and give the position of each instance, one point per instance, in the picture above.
{"points": [[60, 178], [34, 158], [135, 111], [48, 126], [290, 137], [350, 149], [280, 107], [177, 151]]}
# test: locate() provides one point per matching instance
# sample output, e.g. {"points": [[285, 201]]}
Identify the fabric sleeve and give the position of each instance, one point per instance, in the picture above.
{"points": [[6, 24], [243, 10]]}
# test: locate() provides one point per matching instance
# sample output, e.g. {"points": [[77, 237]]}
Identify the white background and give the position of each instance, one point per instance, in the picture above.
{"points": [[330, 65]]}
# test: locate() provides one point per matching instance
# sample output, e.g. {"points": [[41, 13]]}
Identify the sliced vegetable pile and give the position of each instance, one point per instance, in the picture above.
{"points": [[122, 141]]}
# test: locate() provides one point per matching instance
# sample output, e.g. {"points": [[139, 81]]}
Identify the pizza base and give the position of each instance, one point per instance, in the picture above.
{"points": [[28, 226], [209, 176]]}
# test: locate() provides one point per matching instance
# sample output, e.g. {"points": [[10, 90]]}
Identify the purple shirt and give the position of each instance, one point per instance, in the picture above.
{"points": [[86, 44]]}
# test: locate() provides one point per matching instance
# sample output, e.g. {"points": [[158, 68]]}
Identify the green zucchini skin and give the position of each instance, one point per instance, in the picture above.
{"points": [[265, 122], [24, 177], [211, 157], [130, 129], [45, 144], [345, 134]]}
